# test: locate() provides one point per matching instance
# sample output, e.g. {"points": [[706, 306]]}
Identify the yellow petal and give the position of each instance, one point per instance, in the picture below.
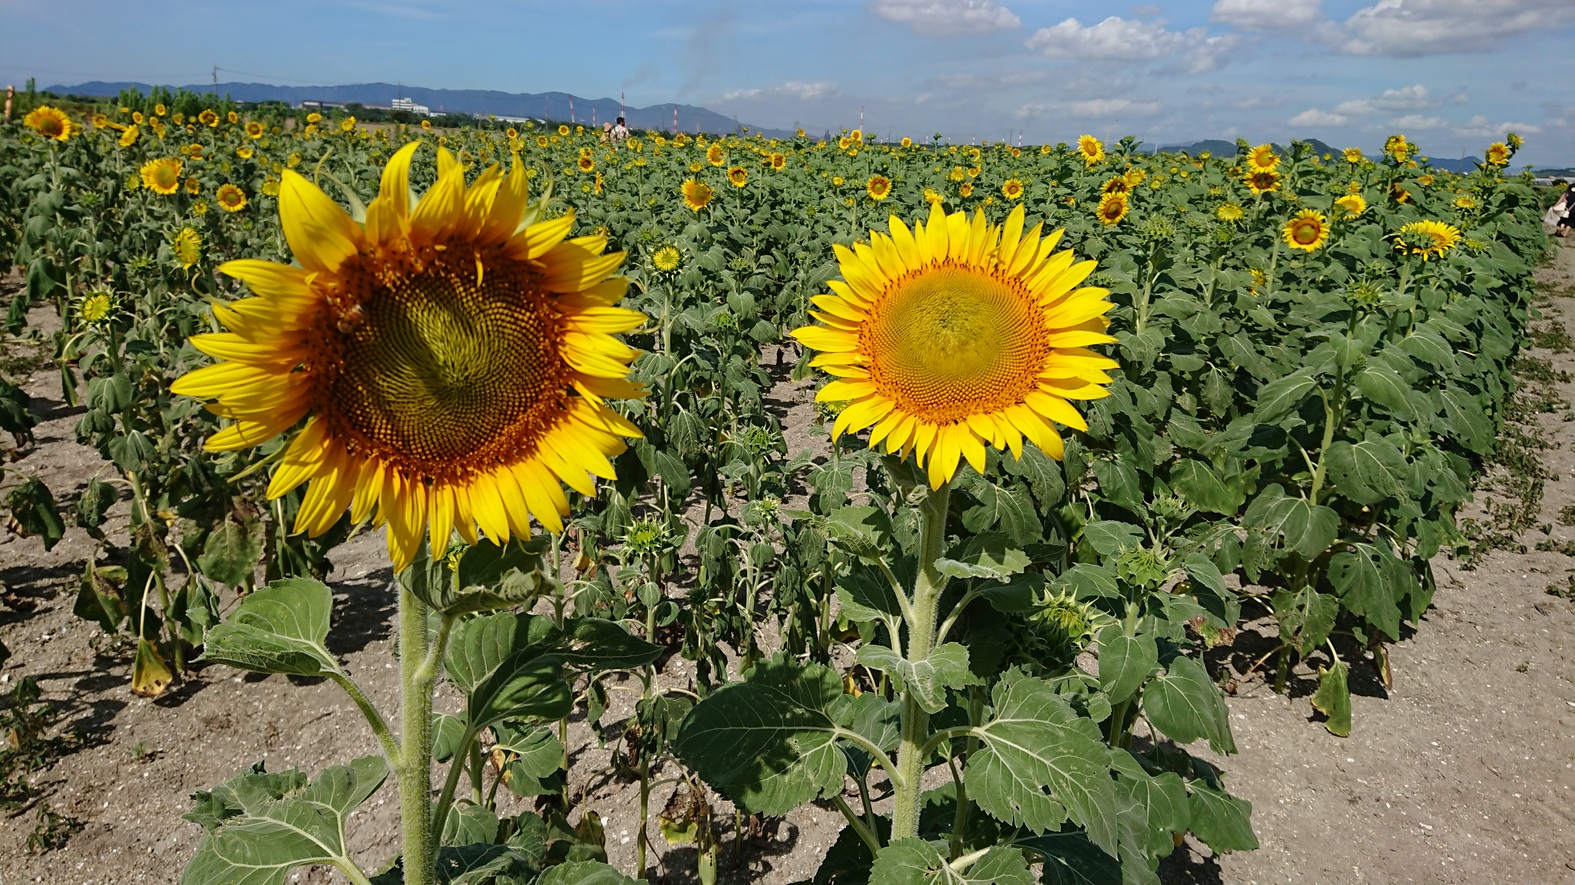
{"points": [[395, 186], [319, 232]]}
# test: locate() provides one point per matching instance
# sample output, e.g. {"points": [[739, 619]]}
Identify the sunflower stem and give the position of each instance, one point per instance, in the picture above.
{"points": [[414, 769], [911, 753]]}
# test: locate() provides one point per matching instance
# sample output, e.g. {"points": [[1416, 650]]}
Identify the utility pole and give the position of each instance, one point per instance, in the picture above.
{"points": [[215, 81]]}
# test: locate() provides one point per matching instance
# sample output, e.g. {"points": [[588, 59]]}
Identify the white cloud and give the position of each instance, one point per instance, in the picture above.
{"points": [[1481, 127], [793, 89], [1435, 27], [1418, 122], [1315, 117], [1124, 108], [1408, 98], [947, 16], [1119, 39], [1267, 15]]}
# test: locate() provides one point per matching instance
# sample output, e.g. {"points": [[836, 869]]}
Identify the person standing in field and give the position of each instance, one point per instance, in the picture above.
{"points": [[1568, 221], [619, 132]]}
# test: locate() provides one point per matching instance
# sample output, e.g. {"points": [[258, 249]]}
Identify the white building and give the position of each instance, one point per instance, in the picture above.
{"points": [[409, 104]]}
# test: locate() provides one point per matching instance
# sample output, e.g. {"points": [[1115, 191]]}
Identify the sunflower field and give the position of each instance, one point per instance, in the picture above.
{"points": [[1079, 413]]}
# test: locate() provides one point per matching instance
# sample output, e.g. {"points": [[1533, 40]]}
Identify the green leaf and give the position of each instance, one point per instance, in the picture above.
{"points": [[1306, 617], [1186, 705], [914, 861], [448, 733], [1041, 764], [945, 667], [1119, 484], [1367, 472], [1333, 699], [100, 597], [1109, 537], [594, 644], [260, 826], [486, 577], [503, 664], [535, 759], [864, 532], [278, 629], [1208, 587], [768, 743], [231, 552], [34, 512], [1220, 820], [1278, 520], [1158, 809], [1366, 579], [1071, 859], [1125, 662], [987, 555], [468, 823], [1384, 386], [1199, 485], [1284, 395], [867, 597], [584, 872], [1006, 508]]}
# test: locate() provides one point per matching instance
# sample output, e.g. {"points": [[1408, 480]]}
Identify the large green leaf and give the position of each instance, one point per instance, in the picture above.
{"points": [[946, 666], [1284, 395], [914, 861], [232, 551], [1186, 705], [1333, 699], [1372, 584], [1199, 485], [1384, 386], [1367, 472], [278, 629], [1276, 520], [1222, 821], [260, 826], [1306, 617], [862, 531], [1157, 809], [987, 555], [479, 578], [1041, 764], [1125, 662], [584, 872], [1069, 858], [769, 742], [504, 665]]}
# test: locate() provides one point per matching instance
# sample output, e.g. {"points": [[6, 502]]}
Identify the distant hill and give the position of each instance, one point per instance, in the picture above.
{"points": [[1221, 148], [547, 105]]}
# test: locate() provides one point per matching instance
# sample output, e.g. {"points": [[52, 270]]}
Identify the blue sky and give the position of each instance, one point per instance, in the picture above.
{"points": [[1452, 75]]}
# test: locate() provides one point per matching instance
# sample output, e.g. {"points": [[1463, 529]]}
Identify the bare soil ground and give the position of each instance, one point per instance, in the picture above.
{"points": [[1461, 771]]}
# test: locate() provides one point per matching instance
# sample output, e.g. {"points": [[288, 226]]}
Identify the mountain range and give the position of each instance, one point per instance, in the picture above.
{"points": [[541, 105], [563, 106]]}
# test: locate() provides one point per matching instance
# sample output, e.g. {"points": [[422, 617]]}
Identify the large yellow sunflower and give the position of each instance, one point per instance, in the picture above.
{"points": [[1090, 148], [162, 176], [1112, 207], [1351, 204], [1429, 239], [1012, 189], [738, 175], [1307, 230], [957, 334], [1497, 154], [697, 194], [445, 364], [230, 198], [716, 155], [1262, 181], [878, 187], [50, 122], [1262, 158]]}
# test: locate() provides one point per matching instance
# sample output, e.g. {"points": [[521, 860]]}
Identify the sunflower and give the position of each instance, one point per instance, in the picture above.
{"points": [[129, 137], [1262, 158], [1092, 151], [878, 187], [427, 124], [932, 196], [1497, 154], [667, 259], [50, 122], [233, 116], [1399, 194], [347, 124], [314, 118], [230, 198], [715, 155], [778, 161], [1262, 181], [254, 129], [697, 194], [738, 176], [1352, 204], [1307, 231], [586, 163], [965, 190], [1117, 185], [162, 176], [956, 335], [209, 117], [1229, 212], [1397, 147], [1112, 208], [1353, 155], [1134, 177], [96, 307], [907, 142], [160, 109], [245, 152], [1429, 239], [511, 132], [446, 363], [1465, 202], [186, 244], [193, 186], [1012, 189]]}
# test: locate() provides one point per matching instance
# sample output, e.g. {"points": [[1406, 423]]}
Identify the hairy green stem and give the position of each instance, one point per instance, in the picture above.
{"points": [[927, 589], [414, 771]]}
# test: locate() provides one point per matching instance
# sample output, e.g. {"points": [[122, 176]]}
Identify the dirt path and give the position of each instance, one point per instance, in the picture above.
{"points": [[1463, 773]]}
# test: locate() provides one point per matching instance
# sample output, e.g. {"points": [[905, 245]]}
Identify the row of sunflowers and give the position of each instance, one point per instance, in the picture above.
{"points": [[560, 374]]}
